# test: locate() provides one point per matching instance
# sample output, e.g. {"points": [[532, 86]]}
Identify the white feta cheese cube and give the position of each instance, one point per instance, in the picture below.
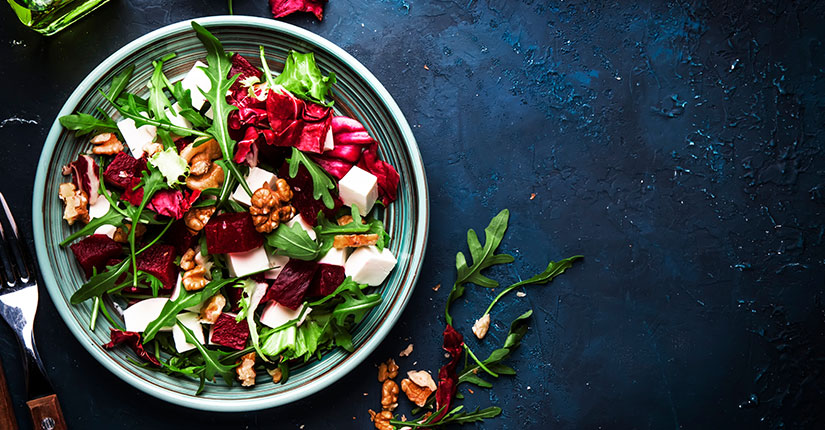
{"points": [[191, 321], [209, 114], [245, 263], [335, 257], [256, 178], [329, 143], [305, 225], [195, 81], [108, 230], [359, 187], [175, 118], [136, 137], [277, 263], [368, 265], [275, 315], [100, 208], [140, 314]]}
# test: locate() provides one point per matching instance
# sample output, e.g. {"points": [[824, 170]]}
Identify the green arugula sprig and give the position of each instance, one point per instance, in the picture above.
{"points": [[217, 70], [322, 183], [455, 416], [83, 123], [483, 257], [152, 182], [326, 230], [211, 361], [294, 242], [553, 269]]}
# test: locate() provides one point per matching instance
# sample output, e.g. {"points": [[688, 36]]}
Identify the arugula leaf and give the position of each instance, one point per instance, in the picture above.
{"points": [[456, 416], [303, 78], [120, 81], [211, 359], [152, 182], [157, 99], [483, 257], [294, 242], [100, 283], [217, 72], [553, 269], [113, 217], [185, 108], [518, 328], [131, 110], [173, 307], [83, 123], [321, 181], [356, 304]]}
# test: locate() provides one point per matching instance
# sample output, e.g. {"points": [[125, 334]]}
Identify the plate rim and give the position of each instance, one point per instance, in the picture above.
{"points": [[326, 379]]}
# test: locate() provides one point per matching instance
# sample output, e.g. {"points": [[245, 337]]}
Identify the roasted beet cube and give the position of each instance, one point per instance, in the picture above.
{"points": [[231, 232], [122, 171], [326, 280], [292, 283], [180, 237], [159, 261], [95, 251], [228, 332]]}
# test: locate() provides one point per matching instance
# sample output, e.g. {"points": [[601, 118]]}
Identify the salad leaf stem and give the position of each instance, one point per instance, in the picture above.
{"points": [[270, 83], [120, 81], [553, 269], [152, 182], [144, 120], [211, 359], [172, 308], [479, 363]]}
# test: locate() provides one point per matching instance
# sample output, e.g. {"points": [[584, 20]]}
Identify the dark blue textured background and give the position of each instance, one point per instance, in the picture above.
{"points": [[678, 146]]}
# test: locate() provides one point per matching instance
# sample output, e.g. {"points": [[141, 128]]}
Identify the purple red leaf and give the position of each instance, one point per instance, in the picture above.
{"points": [[447, 378], [281, 8], [85, 175], [132, 340]]}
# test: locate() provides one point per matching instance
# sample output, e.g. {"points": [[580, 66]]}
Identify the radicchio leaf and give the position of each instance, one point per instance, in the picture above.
{"points": [[172, 203], [244, 69], [297, 123], [281, 8], [387, 176], [447, 377], [292, 283], [132, 340], [85, 175]]}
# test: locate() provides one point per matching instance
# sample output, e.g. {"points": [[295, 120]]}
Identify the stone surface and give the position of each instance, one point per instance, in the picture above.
{"points": [[677, 146]]}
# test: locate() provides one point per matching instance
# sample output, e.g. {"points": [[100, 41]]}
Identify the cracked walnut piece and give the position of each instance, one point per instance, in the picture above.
{"points": [[381, 420], [342, 241], [481, 326], [195, 219], [271, 207], [203, 173], [106, 144], [416, 393], [389, 395], [388, 370], [212, 308], [122, 233], [194, 276], [77, 203], [246, 370]]}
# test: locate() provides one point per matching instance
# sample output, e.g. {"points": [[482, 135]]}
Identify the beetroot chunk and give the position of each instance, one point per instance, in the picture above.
{"points": [[292, 283], [327, 279], [95, 251], [228, 332], [159, 261], [231, 232], [124, 170]]}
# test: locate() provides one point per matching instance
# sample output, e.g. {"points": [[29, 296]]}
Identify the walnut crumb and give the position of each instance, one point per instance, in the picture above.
{"points": [[381, 420], [387, 370], [407, 351], [342, 241], [521, 294], [276, 375], [212, 309], [436, 287], [422, 378], [246, 370], [76, 201], [481, 326]]}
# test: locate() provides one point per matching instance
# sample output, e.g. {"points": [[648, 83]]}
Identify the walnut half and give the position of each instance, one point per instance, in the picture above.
{"points": [[381, 420], [271, 207], [246, 370], [416, 393], [106, 144], [195, 272], [76, 201]]}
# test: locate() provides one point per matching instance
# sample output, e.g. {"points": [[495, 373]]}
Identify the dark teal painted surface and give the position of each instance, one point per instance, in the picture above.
{"points": [[677, 146]]}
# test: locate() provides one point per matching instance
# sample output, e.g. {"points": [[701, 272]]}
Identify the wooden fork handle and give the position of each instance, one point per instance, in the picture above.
{"points": [[7, 419], [46, 413]]}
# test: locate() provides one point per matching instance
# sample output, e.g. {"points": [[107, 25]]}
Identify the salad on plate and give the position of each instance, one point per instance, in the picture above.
{"points": [[229, 217]]}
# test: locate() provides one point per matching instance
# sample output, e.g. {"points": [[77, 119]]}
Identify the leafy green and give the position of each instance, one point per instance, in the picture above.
{"points": [[493, 363], [483, 257], [217, 72], [132, 111], [294, 242], [553, 269], [355, 303], [186, 300], [456, 416], [113, 217], [83, 123], [211, 360], [270, 83], [157, 98], [303, 78], [120, 81], [321, 181], [100, 283], [171, 165], [185, 108]]}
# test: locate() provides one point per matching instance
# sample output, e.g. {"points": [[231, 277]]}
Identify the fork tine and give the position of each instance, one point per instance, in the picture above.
{"points": [[22, 266]]}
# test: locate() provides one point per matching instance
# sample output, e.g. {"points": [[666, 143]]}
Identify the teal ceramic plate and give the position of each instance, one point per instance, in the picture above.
{"points": [[357, 93]]}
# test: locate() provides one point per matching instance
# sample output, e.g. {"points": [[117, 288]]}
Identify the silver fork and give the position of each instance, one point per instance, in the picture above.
{"points": [[18, 306]]}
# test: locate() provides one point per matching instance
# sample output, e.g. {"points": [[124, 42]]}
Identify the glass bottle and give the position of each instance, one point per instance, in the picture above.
{"points": [[50, 16]]}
